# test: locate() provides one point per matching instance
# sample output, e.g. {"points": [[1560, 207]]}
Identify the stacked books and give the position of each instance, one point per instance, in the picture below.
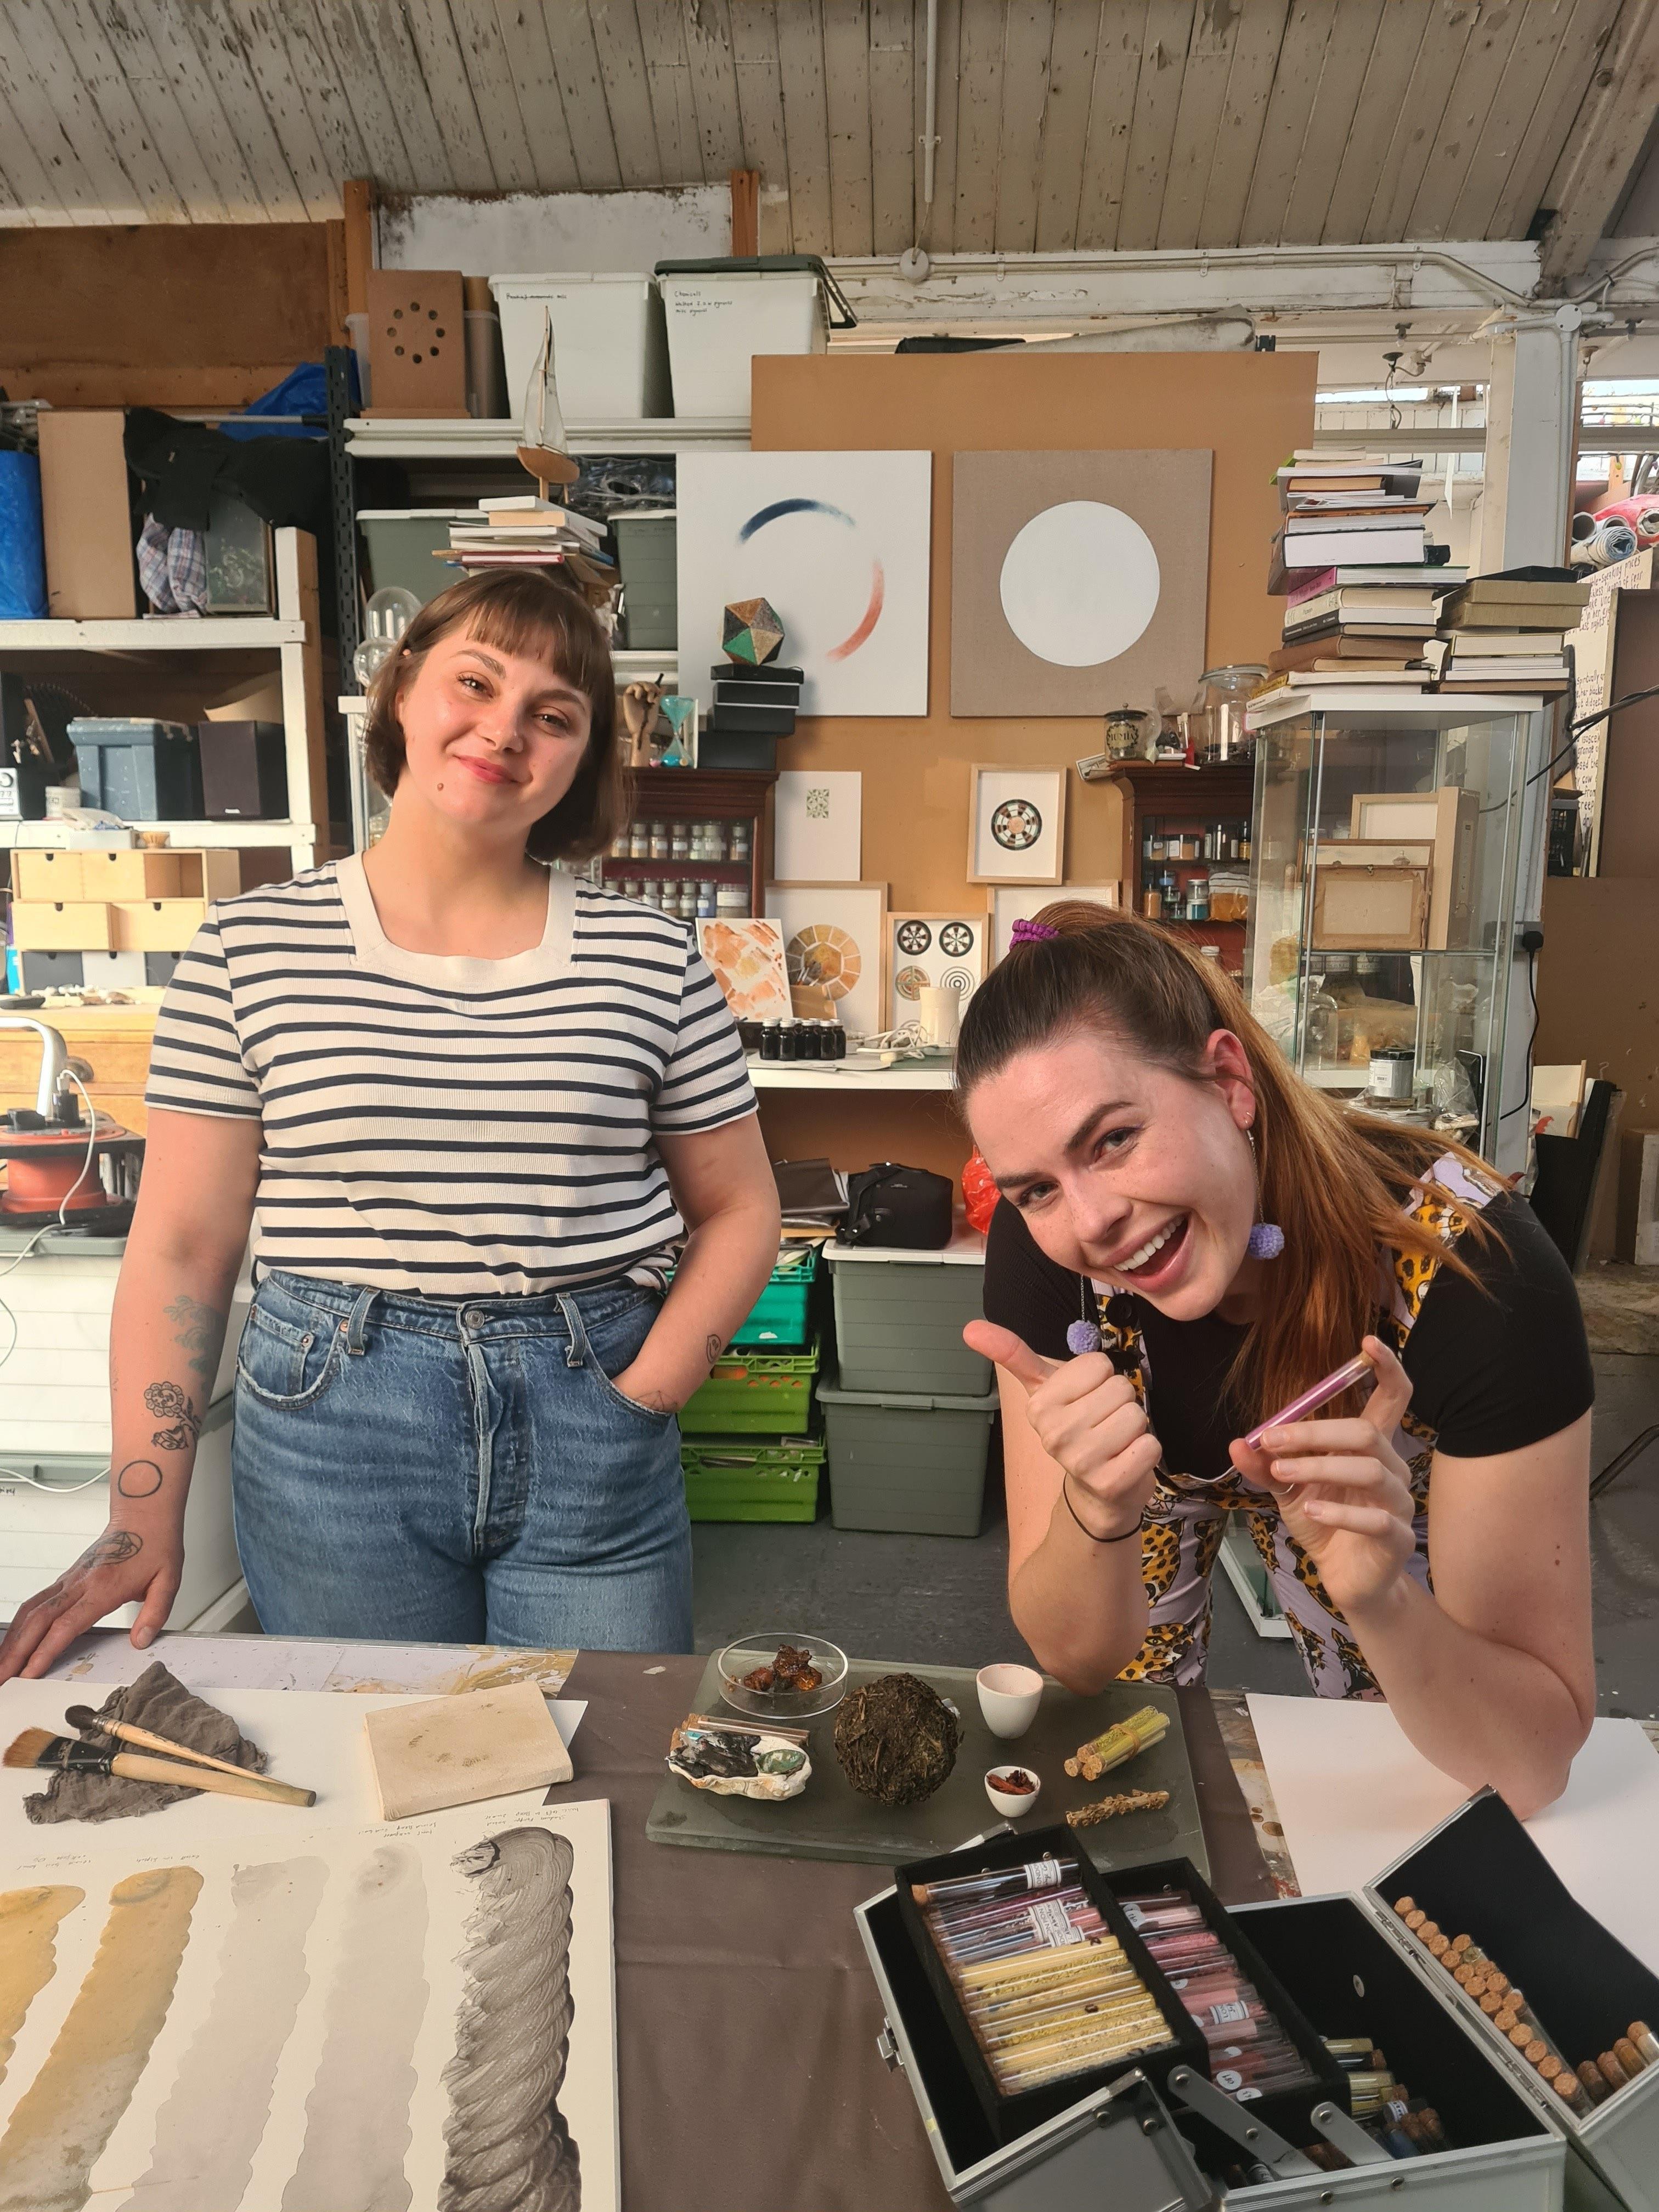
{"points": [[1343, 510], [1507, 632], [1362, 624], [524, 532], [756, 703]]}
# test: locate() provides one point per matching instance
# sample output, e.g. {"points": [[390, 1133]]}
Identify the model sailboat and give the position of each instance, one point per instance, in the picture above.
{"points": [[542, 450]]}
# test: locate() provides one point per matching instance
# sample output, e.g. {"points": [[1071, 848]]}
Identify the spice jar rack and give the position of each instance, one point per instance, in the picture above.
{"points": [[679, 801]]}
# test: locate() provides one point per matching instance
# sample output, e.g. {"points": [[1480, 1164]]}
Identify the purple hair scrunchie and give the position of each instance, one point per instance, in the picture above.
{"points": [[1030, 932]]}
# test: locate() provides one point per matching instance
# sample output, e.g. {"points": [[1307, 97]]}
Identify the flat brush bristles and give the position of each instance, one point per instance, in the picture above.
{"points": [[29, 1748]]}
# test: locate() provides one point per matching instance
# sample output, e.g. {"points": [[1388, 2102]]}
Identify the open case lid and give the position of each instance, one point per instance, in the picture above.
{"points": [[1481, 1874]]}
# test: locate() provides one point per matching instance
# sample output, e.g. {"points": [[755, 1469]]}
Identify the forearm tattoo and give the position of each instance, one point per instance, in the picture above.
{"points": [[713, 1347], [168, 1402], [139, 1478], [198, 1333]]}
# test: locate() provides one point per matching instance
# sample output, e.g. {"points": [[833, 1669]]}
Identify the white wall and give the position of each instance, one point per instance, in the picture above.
{"points": [[537, 233]]}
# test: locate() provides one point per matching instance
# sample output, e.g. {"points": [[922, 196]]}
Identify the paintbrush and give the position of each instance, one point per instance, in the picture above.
{"points": [[39, 1747], [85, 1721]]}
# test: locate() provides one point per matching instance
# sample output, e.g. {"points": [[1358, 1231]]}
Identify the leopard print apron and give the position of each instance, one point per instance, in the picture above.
{"points": [[1186, 1517]]}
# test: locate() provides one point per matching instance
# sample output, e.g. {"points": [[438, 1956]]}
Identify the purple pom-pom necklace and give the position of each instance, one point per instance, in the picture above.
{"points": [[1084, 1334]]}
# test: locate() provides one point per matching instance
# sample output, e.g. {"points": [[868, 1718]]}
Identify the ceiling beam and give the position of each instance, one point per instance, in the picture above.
{"points": [[1606, 142]]}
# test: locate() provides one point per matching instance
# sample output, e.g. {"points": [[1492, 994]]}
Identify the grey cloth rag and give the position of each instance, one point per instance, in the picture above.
{"points": [[157, 1701]]}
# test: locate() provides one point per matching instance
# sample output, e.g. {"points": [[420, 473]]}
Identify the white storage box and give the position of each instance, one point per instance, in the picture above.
{"points": [[721, 313], [610, 354]]}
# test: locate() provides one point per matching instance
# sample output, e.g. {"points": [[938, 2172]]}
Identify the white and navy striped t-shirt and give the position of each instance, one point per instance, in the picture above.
{"points": [[452, 1128]]}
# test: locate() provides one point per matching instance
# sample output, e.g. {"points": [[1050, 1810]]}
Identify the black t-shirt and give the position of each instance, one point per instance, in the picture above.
{"points": [[1495, 1364]]}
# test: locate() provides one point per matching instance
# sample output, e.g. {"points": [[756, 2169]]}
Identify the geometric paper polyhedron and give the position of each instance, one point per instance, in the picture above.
{"points": [[751, 631]]}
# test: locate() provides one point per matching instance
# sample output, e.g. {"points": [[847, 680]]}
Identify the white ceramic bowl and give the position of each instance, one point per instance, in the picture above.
{"points": [[1013, 1804], [1009, 1697]]}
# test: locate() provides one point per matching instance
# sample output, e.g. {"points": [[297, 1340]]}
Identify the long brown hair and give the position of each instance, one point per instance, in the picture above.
{"points": [[1335, 1181], [520, 611]]}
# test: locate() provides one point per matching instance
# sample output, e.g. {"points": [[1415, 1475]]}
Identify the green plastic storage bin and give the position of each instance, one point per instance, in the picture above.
{"points": [[899, 1319], [753, 1394], [648, 558], [399, 542], [906, 1462], [752, 1478], [782, 1315]]}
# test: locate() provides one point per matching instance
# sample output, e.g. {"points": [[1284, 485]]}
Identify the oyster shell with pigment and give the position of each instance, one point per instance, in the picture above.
{"points": [[737, 1763]]}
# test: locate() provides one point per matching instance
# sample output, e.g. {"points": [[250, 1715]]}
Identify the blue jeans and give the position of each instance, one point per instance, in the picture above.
{"points": [[429, 1471]]}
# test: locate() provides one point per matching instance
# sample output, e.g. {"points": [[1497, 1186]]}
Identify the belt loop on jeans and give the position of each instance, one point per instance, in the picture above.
{"points": [[577, 1355], [358, 1320]]}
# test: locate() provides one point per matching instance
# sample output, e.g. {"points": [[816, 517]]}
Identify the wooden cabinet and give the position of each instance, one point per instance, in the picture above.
{"points": [[1169, 797], [704, 795]]}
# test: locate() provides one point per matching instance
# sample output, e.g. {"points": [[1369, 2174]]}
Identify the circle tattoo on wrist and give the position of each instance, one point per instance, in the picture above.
{"points": [[139, 1478]]}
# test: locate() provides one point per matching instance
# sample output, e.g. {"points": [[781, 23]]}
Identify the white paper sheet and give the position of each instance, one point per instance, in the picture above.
{"points": [[206, 1663], [227, 2107], [817, 833], [1354, 1796], [313, 1738]]}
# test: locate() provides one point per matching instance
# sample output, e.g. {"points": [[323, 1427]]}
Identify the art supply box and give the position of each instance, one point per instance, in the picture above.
{"points": [[610, 353], [905, 1460], [1342, 1966]]}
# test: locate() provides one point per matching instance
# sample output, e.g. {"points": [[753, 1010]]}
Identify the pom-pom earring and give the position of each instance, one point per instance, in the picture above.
{"points": [[1084, 1334], [1266, 1239]]}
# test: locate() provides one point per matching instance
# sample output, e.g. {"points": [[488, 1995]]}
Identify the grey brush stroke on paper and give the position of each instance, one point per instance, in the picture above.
{"points": [[357, 2125], [507, 2146], [209, 2128]]}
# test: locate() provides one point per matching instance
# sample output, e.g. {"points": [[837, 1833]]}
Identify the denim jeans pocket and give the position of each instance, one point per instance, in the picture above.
{"points": [[283, 1364], [612, 1346]]}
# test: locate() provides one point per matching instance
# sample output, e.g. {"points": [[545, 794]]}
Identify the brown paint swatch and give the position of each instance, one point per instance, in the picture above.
{"points": [[29, 1920], [66, 2115], [357, 2126], [209, 2128]]}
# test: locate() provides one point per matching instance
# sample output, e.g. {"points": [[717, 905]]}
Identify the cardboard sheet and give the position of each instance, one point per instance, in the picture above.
{"points": [[1354, 1796], [314, 1738]]}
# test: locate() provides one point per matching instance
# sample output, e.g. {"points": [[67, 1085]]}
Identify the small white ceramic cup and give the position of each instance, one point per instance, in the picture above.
{"points": [[1013, 1804], [1009, 1697]]}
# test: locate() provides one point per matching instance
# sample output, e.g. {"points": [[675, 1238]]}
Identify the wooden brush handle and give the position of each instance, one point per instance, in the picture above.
{"points": [[131, 1733], [137, 1766]]}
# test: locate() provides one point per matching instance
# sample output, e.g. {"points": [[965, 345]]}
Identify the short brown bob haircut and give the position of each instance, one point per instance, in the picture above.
{"points": [[525, 612]]}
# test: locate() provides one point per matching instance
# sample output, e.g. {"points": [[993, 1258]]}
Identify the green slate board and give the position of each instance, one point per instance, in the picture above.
{"points": [[830, 1820]]}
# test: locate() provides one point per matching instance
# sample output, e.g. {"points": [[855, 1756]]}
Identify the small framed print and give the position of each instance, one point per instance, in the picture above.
{"points": [[833, 943], [1370, 909], [1016, 825], [925, 950]]}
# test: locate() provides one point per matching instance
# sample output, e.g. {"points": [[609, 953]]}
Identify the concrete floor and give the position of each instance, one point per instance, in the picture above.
{"points": [[943, 1598]]}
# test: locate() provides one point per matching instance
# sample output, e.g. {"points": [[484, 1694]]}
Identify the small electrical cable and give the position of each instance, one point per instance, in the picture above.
{"points": [[9, 1475]]}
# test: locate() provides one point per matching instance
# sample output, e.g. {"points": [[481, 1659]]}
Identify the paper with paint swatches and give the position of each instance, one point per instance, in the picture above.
{"points": [[357, 2023]]}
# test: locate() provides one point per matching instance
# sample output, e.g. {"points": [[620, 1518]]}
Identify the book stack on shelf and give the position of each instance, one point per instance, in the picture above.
{"points": [[1359, 578], [1507, 632], [523, 531]]}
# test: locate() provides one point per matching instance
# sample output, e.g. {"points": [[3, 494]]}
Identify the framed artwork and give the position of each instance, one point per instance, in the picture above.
{"points": [[1078, 580], [1374, 909], [839, 544], [1013, 903], [943, 950], [1016, 825], [817, 825], [1449, 819], [832, 941], [747, 957]]}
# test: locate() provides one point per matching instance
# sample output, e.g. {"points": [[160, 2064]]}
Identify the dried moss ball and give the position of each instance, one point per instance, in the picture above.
{"points": [[897, 1739]]}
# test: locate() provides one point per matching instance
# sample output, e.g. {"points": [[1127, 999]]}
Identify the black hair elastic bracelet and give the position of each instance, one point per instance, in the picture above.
{"points": [[1134, 1530]]}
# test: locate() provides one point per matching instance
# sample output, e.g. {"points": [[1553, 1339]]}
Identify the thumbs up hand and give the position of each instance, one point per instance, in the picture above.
{"points": [[1088, 1419]]}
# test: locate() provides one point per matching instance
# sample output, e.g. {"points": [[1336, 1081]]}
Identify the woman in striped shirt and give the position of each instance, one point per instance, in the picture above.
{"points": [[470, 1105]]}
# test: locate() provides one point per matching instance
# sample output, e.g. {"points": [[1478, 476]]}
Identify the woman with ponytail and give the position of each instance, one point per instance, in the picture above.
{"points": [[1189, 1238]]}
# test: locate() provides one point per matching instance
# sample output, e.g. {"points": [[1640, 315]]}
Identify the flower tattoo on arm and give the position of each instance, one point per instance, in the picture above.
{"points": [[169, 1403]]}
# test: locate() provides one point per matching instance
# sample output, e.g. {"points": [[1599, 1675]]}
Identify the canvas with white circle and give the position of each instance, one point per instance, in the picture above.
{"points": [[1080, 583]]}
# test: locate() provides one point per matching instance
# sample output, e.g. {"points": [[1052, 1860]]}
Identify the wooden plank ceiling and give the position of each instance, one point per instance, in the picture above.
{"points": [[1061, 123]]}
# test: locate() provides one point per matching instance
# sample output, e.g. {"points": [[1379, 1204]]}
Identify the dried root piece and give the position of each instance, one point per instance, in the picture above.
{"points": [[1108, 1809]]}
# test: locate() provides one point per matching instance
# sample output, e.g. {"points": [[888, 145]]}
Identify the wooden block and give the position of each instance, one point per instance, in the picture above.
{"points": [[54, 875], [60, 926], [156, 925], [456, 1750], [134, 874], [416, 341]]}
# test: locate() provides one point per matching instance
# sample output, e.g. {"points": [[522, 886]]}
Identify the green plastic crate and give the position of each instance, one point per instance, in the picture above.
{"points": [[781, 1315], [915, 1463], [752, 1479], [753, 1394]]}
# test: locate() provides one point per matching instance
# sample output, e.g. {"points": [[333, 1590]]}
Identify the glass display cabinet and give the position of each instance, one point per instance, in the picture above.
{"points": [[1387, 848]]}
